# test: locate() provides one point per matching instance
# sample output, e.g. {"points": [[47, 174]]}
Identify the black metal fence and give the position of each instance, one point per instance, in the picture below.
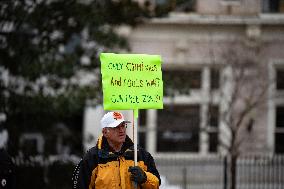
{"points": [[261, 172], [177, 172], [53, 172], [253, 172]]}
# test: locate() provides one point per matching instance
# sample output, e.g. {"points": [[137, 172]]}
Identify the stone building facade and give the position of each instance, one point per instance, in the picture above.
{"points": [[192, 45]]}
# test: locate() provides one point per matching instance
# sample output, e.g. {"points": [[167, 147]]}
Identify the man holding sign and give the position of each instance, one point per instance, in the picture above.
{"points": [[130, 82], [110, 163]]}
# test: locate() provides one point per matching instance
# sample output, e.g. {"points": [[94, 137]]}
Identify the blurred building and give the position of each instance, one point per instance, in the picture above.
{"points": [[191, 40]]}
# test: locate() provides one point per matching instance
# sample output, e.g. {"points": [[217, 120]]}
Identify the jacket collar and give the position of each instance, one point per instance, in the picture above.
{"points": [[104, 148]]}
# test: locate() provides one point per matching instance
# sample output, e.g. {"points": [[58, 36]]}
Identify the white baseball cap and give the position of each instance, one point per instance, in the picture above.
{"points": [[112, 119]]}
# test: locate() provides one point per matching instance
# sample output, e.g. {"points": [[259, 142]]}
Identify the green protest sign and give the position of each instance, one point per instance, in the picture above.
{"points": [[131, 81]]}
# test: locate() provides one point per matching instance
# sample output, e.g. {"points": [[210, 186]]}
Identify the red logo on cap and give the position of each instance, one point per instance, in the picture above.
{"points": [[117, 115]]}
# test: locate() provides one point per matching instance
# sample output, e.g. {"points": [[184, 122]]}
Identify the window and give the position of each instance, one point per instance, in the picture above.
{"points": [[213, 117], [280, 116], [31, 143], [215, 78], [280, 79], [185, 5], [213, 142], [142, 128], [273, 6], [162, 6], [178, 128], [181, 81], [230, 2], [279, 131]]}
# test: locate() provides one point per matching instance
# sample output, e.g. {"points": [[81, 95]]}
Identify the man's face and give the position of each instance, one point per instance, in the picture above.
{"points": [[117, 134]]}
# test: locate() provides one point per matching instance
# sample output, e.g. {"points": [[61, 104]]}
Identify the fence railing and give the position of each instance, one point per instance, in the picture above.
{"points": [[52, 172], [177, 172], [261, 172], [253, 172]]}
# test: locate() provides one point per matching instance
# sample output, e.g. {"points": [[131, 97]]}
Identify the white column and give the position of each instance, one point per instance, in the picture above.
{"points": [[271, 109], [92, 125], [151, 134], [225, 97], [204, 139]]}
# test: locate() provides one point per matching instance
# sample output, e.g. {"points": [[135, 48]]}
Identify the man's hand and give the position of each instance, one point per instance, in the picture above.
{"points": [[137, 174]]}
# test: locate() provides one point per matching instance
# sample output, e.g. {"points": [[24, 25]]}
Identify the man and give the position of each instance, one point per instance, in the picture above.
{"points": [[110, 164]]}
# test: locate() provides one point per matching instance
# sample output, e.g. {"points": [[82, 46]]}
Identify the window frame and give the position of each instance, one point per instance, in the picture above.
{"points": [[275, 99], [267, 7], [278, 129], [196, 96]]}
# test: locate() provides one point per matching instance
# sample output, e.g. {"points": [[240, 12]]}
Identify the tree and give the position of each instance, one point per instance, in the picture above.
{"points": [[49, 57], [244, 91]]}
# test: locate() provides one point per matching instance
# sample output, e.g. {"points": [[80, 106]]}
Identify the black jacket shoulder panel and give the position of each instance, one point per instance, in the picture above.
{"points": [[83, 171], [149, 161]]}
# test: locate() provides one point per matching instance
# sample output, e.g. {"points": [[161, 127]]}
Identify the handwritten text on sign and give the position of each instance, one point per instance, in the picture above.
{"points": [[132, 81]]}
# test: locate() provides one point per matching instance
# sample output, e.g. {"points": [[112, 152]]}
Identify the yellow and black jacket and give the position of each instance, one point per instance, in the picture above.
{"points": [[102, 169]]}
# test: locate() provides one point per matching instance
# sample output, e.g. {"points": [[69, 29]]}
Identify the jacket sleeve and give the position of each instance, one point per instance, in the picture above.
{"points": [[153, 176], [83, 172]]}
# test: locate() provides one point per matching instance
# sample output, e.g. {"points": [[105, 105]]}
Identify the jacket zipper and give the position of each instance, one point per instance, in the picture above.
{"points": [[118, 158]]}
